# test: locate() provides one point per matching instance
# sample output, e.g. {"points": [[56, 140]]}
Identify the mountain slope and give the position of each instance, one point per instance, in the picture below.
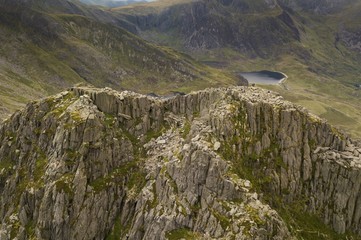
{"points": [[51, 45], [110, 3], [316, 43], [215, 24], [321, 6], [234, 163]]}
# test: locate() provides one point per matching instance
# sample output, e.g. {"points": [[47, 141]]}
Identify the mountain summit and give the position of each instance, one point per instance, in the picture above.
{"points": [[233, 163]]}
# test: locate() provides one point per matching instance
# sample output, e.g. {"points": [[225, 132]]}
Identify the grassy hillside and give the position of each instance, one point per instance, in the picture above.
{"points": [[45, 52], [314, 44]]}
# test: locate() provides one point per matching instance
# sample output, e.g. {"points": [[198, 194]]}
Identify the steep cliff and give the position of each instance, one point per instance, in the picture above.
{"points": [[226, 163]]}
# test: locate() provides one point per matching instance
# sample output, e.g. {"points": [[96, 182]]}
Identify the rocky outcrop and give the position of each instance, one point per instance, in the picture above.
{"points": [[95, 163], [351, 38]]}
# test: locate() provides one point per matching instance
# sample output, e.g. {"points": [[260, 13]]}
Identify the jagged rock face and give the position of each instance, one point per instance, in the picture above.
{"points": [[94, 163], [352, 39], [214, 24]]}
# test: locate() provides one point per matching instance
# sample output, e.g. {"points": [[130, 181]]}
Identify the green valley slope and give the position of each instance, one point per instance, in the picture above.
{"points": [[47, 46]]}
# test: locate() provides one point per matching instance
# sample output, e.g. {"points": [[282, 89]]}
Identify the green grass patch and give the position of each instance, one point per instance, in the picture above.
{"points": [[109, 120], [223, 220], [119, 230], [63, 185], [152, 134], [40, 165], [182, 233], [186, 129], [129, 172], [307, 226], [6, 164], [152, 204]]}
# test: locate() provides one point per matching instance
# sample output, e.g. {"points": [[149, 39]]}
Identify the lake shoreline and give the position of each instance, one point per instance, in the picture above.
{"points": [[264, 77], [283, 79]]}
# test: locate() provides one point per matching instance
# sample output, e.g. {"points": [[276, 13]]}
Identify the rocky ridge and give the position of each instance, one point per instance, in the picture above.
{"points": [[94, 163]]}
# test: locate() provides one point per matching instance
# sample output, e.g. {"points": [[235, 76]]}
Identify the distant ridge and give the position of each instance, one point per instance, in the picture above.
{"points": [[111, 3]]}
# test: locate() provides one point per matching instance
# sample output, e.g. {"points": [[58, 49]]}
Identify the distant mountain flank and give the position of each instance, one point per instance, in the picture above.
{"points": [[316, 43], [51, 45], [260, 28], [111, 3], [319, 6]]}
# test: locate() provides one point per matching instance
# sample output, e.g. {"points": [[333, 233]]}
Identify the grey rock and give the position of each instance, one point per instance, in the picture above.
{"points": [[86, 163], [216, 146]]}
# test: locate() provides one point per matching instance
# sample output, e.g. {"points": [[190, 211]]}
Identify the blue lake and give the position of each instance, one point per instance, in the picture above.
{"points": [[264, 77]]}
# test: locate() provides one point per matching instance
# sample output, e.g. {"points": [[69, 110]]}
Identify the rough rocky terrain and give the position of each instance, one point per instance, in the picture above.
{"points": [[95, 163], [352, 39]]}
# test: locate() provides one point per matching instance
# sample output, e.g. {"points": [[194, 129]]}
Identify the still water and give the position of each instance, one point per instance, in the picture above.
{"points": [[264, 77]]}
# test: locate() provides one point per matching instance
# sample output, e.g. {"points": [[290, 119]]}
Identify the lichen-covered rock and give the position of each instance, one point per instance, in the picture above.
{"points": [[94, 163]]}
